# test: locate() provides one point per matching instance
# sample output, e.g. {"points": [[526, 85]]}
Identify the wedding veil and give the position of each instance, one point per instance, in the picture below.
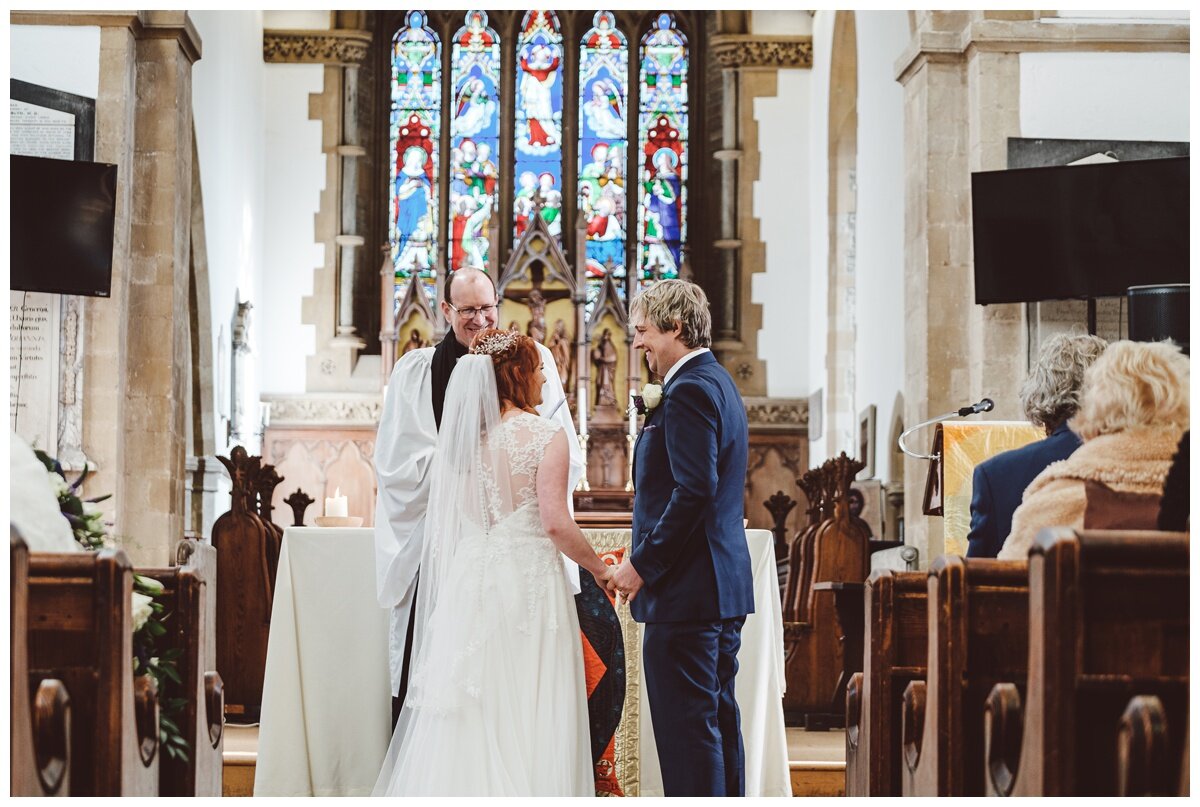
{"points": [[470, 493]]}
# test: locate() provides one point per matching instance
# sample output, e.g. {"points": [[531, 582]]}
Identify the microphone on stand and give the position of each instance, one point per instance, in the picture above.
{"points": [[985, 405]]}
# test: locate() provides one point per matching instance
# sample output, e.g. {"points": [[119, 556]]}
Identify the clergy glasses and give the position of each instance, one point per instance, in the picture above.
{"points": [[470, 313]]}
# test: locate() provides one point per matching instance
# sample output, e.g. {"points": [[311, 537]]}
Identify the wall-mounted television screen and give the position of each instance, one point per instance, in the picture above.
{"points": [[61, 215], [1079, 231]]}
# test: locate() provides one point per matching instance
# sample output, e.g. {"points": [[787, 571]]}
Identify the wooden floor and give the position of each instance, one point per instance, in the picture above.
{"points": [[817, 760]]}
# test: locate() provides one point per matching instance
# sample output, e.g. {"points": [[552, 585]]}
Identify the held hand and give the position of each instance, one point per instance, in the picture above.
{"points": [[627, 581], [604, 578]]}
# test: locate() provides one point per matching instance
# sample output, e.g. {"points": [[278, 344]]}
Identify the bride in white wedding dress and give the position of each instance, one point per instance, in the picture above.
{"points": [[497, 704]]}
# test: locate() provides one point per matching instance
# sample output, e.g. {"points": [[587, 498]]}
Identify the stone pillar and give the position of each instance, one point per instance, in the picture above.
{"points": [[105, 322], [349, 242], [998, 332], [154, 425], [937, 237]]}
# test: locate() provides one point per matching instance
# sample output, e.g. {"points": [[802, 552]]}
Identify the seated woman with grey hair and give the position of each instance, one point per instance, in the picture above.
{"points": [[1134, 406], [1049, 398]]}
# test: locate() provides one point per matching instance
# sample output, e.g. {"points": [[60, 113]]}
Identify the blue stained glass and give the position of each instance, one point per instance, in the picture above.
{"points": [[415, 121], [663, 150], [603, 150], [538, 133], [474, 141]]}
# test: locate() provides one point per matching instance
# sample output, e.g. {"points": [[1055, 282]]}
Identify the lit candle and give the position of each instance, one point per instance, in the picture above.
{"points": [[583, 402], [336, 507], [632, 417]]}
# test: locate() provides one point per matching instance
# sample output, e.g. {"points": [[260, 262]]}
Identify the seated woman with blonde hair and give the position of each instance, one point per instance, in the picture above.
{"points": [[1134, 406]]}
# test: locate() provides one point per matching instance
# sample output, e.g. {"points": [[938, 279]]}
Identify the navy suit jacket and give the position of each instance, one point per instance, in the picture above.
{"points": [[689, 542], [999, 483]]}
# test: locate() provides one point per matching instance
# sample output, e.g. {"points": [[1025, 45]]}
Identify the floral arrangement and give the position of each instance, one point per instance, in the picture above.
{"points": [[85, 518], [91, 533]]}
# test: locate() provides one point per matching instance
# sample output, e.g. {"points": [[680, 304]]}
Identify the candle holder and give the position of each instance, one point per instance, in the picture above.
{"points": [[630, 439], [583, 485]]}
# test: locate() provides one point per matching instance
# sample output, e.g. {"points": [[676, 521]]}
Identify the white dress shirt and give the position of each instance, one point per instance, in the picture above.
{"points": [[677, 366]]}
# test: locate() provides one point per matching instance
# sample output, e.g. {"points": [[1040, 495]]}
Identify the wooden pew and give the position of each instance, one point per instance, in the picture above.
{"points": [[895, 652], [839, 554], [186, 593], [40, 732], [1108, 620], [978, 617], [81, 632]]}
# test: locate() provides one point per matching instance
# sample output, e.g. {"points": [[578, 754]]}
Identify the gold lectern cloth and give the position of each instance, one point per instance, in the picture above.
{"points": [[965, 445]]}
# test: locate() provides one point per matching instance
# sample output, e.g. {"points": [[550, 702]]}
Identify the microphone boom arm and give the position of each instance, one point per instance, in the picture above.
{"points": [[983, 406]]}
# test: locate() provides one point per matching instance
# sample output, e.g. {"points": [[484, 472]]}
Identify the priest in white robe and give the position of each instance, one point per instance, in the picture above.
{"points": [[405, 446]]}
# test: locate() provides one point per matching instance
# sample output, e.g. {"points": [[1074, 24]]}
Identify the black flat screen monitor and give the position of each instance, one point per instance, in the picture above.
{"points": [[61, 225], [1079, 231]]}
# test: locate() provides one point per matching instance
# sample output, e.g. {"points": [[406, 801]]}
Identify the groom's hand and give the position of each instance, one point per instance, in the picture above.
{"points": [[626, 581]]}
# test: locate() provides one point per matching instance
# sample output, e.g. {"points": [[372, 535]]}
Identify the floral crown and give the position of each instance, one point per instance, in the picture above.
{"points": [[498, 344]]}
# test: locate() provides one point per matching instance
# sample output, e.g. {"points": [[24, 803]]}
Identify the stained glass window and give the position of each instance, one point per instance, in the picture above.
{"points": [[538, 134], [474, 140], [603, 147], [416, 117], [663, 151]]}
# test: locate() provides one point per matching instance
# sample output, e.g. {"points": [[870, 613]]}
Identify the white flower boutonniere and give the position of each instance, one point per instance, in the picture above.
{"points": [[651, 397]]}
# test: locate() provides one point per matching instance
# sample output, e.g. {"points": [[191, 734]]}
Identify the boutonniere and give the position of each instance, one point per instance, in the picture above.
{"points": [[651, 397]]}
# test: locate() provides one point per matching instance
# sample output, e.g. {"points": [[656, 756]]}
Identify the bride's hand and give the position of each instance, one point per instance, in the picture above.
{"points": [[604, 578]]}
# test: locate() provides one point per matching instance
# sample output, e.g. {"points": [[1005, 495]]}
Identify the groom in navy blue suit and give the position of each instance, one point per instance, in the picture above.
{"points": [[688, 577]]}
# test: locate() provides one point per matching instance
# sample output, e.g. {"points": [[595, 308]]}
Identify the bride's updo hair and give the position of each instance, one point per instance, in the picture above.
{"points": [[516, 360]]}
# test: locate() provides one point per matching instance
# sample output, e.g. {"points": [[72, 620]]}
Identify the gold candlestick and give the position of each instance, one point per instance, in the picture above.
{"points": [[583, 485]]}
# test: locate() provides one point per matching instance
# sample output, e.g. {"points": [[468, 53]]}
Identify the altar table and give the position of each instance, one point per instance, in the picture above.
{"points": [[326, 708]]}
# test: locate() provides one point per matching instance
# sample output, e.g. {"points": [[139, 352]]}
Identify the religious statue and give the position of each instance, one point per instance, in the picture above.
{"points": [[537, 314], [560, 348], [415, 342], [604, 357]]}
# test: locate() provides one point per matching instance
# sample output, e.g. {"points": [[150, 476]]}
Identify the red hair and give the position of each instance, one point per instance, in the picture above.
{"points": [[516, 368]]}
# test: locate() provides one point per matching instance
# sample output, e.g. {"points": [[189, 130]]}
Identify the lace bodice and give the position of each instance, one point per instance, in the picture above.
{"points": [[524, 438]]}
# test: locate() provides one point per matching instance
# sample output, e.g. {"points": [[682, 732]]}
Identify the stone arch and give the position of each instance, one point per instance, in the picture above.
{"points": [[840, 421]]}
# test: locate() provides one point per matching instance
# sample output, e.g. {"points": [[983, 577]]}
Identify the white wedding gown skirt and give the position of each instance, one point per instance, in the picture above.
{"points": [[499, 705]]}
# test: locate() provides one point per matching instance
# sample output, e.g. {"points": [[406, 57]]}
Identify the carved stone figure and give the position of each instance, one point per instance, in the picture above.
{"points": [[604, 357], [415, 342], [537, 314], [560, 347]]}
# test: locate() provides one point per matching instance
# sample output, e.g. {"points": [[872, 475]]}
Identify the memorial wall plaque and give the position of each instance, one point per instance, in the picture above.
{"points": [[33, 368]]}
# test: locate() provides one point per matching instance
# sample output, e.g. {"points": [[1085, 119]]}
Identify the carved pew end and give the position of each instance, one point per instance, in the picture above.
{"points": [[145, 708], [854, 693], [214, 706], [1003, 723], [52, 735], [913, 724], [1143, 750]]}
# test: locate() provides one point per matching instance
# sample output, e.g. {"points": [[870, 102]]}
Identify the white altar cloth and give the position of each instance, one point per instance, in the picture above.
{"points": [[326, 708]]}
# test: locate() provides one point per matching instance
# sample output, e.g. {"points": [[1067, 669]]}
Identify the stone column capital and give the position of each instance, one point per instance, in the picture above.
{"points": [[330, 47], [750, 50]]}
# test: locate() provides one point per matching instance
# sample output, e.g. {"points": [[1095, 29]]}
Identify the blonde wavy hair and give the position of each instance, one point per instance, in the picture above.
{"points": [[1135, 384], [1050, 394], [671, 301]]}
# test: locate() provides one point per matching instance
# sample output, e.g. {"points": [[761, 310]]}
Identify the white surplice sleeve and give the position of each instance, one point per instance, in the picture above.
{"points": [[554, 405], [404, 449]]}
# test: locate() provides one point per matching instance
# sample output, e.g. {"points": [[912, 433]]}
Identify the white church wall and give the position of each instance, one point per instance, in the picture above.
{"points": [[228, 106], [785, 23], [814, 322], [1101, 95], [879, 269], [295, 168], [61, 57], [781, 201]]}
